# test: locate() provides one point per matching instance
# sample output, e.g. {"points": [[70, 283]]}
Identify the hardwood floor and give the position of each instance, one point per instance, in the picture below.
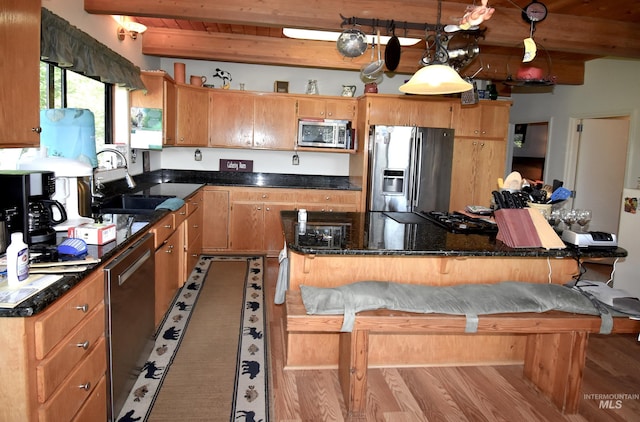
{"points": [[611, 386]]}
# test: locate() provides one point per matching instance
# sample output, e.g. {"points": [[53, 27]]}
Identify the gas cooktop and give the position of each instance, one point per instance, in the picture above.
{"points": [[457, 222]]}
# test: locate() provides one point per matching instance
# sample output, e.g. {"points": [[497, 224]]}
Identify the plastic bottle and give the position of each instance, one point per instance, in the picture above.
{"points": [[17, 260]]}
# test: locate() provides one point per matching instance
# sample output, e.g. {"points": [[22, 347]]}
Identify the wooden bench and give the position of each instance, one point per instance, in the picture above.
{"points": [[554, 357]]}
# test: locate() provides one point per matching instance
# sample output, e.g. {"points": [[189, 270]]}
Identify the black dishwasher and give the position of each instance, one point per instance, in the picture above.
{"points": [[130, 300]]}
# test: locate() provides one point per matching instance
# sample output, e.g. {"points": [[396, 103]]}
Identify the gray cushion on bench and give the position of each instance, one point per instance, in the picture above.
{"points": [[466, 299]]}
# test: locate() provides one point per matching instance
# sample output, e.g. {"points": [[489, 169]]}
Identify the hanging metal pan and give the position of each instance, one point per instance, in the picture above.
{"points": [[392, 52], [352, 43]]}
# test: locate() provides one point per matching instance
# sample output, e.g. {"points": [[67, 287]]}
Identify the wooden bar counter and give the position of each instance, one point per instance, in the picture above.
{"points": [[341, 248]]}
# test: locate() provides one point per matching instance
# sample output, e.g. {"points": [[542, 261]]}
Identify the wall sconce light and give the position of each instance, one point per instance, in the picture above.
{"points": [[128, 28]]}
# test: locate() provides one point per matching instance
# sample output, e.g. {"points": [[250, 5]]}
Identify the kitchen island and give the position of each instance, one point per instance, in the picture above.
{"points": [[341, 248]]}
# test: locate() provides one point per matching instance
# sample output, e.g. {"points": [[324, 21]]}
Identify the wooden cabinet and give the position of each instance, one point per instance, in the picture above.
{"points": [[327, 108], [168, 272], [249, 120], [231, 120], [274, 123], [247, 220], [54, 363], [407, 111], [477, 165], [479, 152], [254, 223], [192, 115], [328, 200], [487, 119], [20, 73], [215, 219], [169, 261], [192, 233], [256, 226], [160, 94]]}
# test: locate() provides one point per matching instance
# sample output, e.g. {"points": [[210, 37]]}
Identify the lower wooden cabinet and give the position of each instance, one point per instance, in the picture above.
{"points": [[54, 363], [192, 234], [215, 220], [247, 220], [168, 272]]}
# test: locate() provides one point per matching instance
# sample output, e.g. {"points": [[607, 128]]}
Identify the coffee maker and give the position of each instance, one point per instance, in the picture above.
{"points": [[28, 206], [73, 187]]}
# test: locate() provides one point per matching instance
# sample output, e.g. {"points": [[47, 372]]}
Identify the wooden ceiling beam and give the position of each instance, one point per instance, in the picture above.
{"points": [[318, 54], [596, 36]]}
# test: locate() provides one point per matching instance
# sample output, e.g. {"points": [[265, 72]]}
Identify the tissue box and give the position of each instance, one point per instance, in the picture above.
{"points": [[93, 233]]}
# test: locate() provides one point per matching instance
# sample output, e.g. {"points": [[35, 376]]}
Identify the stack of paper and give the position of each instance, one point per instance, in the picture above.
{"points": [[526, 228]]}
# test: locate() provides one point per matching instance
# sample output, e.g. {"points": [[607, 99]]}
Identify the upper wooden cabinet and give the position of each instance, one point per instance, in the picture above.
{"points": [[274, 122], [249, 120], [408, 111], [327, 108], [231, 119], [161, 94], [20, 74], [487, 119], [192, 115]]}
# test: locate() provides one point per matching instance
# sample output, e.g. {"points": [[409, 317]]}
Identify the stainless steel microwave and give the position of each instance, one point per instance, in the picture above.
{"points": [[324, 133]]}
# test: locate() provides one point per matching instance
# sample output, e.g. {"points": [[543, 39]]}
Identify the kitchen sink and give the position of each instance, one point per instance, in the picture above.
{"points": [[131, 204]]}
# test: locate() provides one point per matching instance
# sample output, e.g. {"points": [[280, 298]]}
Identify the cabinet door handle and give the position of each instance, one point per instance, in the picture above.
{"points": [[84, 308], [183, 213], [264, 195], [259, 208], [268, 209], [86, 386], [36, 129], [167, 226], [195, 226], [84, 344]]}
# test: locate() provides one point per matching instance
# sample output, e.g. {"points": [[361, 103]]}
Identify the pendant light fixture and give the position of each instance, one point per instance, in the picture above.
{"points": [[437, 77]]}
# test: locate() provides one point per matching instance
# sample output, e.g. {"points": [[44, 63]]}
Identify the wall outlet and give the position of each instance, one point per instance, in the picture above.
{"points": [[295, 160]]}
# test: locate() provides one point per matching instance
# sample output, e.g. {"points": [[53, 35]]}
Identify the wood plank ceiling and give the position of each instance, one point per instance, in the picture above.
{"points": [[250, 31]]}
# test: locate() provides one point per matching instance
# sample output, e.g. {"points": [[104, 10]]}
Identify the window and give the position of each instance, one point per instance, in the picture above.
{"points": [[61, 88]]}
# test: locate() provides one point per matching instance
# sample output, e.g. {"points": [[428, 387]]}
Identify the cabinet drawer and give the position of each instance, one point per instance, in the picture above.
{"points": [[328, 196], [77, 388], [263, 195], [72, 349], [163, 229], [95, 407], [57, 321], [194, 202], [179, 216]]}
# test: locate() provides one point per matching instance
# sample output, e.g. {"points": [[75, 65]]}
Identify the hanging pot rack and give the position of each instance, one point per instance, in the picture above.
{"points": [[390, 24]]}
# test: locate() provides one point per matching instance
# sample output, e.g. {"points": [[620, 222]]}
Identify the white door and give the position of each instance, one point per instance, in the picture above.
{"points": [[600, 168]]}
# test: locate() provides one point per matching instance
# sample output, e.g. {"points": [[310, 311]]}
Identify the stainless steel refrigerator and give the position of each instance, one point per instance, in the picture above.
{"points": [[410, 168]]}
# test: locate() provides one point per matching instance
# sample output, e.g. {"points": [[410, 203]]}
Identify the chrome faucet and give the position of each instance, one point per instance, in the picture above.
{"points": [[130, 182]]}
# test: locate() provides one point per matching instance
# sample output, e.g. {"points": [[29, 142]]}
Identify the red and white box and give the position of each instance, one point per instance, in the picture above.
{"points": [[93, 233]]}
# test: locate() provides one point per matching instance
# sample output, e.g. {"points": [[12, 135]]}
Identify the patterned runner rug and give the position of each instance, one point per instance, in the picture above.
{"points": [[249, 401]]}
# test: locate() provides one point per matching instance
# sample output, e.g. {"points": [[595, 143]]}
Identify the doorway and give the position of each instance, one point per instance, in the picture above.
{"points": [[599, 146], [529, 149]]}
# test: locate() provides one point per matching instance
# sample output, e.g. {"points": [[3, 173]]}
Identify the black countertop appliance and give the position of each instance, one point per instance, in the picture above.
{"points": [[27, 204]]}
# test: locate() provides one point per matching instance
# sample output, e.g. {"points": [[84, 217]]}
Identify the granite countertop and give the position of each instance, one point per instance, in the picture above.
{"points": [[266, 180], [375, 233], [129, 228]]}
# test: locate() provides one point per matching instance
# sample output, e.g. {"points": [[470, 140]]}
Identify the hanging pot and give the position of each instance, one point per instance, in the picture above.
{"points": [[352, 43], [392, 52]]}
